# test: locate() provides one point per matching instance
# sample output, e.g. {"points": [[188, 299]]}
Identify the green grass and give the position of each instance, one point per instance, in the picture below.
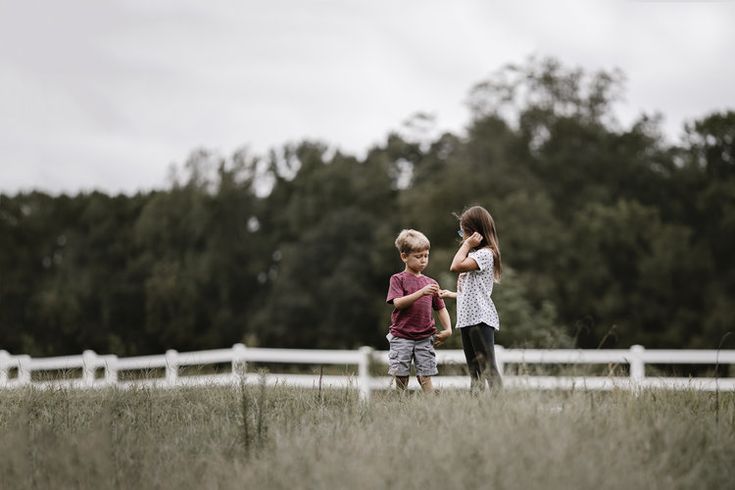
{"points": [[291, 438]]}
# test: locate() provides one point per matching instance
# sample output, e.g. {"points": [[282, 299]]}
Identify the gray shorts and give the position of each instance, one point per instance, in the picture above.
{"points": [[403, 351]]}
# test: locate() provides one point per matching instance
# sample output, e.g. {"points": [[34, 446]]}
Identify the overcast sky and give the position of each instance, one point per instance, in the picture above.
{"points": [[107, 94]]}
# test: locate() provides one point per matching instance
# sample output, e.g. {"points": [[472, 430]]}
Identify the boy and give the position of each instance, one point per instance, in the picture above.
{"points": [[414, 295]]}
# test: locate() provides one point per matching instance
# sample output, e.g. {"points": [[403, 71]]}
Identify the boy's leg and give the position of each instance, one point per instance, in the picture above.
{"points": [[425, 359], [399, 361], [426, 384]]}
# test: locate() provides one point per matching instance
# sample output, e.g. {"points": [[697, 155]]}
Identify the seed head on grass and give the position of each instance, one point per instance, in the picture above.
{"points": [[245, 410], [262, 398]]}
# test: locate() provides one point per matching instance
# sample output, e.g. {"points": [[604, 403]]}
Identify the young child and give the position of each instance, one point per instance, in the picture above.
{"points": [[478, 262], [412, 334]]}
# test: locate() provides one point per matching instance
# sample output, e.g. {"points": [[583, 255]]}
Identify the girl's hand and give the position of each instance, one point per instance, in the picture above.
{"points": [[474, 240], [445, 293]]}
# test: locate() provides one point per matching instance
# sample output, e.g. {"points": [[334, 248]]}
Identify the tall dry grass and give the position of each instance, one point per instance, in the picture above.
{"points": [[253, 437]]}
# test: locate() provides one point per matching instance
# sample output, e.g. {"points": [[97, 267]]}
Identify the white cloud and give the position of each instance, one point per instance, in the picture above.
{"points": [[107, 94]]}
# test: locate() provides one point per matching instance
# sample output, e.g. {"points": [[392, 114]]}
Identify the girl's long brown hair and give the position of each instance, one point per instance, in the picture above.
{"points": [[478, 219]]}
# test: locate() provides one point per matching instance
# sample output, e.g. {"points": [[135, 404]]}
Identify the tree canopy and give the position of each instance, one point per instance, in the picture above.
{"points": [[610, 235]]}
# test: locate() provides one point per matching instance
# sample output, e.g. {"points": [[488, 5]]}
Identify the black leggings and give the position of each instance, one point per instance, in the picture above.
{"points": [[478, 342]]}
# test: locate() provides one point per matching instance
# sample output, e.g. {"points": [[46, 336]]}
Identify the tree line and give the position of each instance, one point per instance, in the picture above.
{"points": [[610, 235]]}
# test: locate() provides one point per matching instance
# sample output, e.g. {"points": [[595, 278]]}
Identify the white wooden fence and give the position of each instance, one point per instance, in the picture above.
{"points": [[17, 370]]}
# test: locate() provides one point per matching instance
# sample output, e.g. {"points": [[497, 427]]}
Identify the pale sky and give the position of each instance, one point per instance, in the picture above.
{"points": [[107, 94]]}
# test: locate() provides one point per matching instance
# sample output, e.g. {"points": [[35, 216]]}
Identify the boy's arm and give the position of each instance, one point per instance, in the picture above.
{"points": [[406, 301], [446, 322]]}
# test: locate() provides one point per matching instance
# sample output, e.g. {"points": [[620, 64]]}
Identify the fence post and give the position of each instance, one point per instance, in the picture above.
{"points": [[363, 373], [4, 366], [24, 369], [637, 366], [172, 367], [89, 365], [111, 369], [239, 366]]}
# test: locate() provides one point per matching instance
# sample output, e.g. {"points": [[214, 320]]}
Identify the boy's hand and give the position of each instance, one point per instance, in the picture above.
{"points": [[430, 290], [474, 240], [441, 337]]}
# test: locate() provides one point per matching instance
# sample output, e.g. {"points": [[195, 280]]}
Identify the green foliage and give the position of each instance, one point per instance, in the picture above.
{"points": [[523, 324], [607, 234]]}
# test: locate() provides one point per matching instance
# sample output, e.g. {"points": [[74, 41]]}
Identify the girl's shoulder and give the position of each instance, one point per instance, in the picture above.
{"points": [[484, 252], [483, 256]]}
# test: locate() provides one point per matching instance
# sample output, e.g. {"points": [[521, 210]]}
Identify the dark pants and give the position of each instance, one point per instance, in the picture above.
{"points": [[478, 342]]}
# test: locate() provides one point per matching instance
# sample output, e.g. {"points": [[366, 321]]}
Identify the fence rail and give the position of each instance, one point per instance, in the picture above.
{"points": [[17, 370]]}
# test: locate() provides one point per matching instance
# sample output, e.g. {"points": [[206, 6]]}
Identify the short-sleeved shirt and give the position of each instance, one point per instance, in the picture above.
{"points": [[474, 305], [417, 321]]}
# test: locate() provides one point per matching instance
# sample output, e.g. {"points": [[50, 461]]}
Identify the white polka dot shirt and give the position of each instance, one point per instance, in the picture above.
{"points": [[474, 288]]}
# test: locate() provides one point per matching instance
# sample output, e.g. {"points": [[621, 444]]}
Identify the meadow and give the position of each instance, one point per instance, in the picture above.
{"points": [[278, 437]]}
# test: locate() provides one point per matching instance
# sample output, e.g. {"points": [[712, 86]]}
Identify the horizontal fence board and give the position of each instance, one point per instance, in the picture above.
{"points": [[204, 357], [563, 356], [54, 363], [700, 384], [567, 382], [294, 356], [140, 362], [686, 356]]}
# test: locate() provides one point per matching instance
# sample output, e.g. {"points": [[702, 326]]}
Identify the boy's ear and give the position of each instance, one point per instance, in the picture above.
{"points": [[404, 256]]}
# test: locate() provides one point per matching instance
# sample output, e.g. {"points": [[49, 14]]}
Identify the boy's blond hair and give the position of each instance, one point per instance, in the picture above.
{"points": [[410, 241]]}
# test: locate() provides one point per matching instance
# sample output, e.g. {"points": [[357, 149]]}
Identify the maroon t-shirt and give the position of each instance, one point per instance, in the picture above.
{"points": [[417, 321]]}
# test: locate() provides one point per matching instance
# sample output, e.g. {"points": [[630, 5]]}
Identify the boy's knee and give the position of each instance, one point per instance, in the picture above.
{"points": [[425, 383], [401, 382]]}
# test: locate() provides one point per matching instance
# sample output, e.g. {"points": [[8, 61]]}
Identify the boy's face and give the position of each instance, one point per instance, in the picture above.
{"points": [[416, 261]]}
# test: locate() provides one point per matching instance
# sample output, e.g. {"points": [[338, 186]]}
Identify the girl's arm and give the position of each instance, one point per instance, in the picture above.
{"points": [[461, 261], [445, 293]]}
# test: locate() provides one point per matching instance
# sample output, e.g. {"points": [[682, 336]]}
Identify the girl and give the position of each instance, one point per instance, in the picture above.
{"points": [[478, 262]]}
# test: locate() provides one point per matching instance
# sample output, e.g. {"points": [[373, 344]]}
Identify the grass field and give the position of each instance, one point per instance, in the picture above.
{"points": [[280, 437]]}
